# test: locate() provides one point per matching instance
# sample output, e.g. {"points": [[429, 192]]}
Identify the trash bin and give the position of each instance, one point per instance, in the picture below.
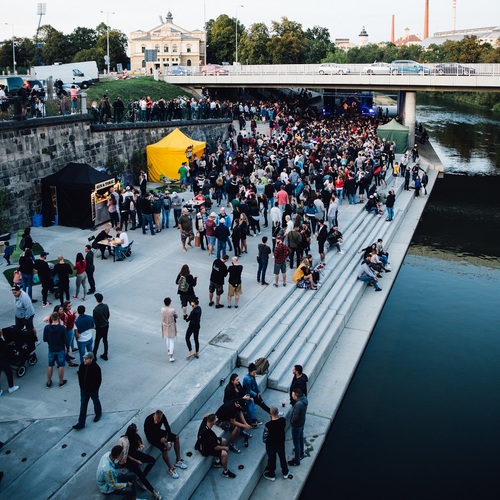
{"points": [[37, 220]]}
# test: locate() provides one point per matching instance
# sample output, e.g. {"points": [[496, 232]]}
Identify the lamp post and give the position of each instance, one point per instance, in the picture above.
{"points": [[237, 31], [13, 47], [107, 37]]}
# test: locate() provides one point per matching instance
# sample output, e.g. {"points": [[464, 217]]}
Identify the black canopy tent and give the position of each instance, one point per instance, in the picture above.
{"points": [[75, 186]]}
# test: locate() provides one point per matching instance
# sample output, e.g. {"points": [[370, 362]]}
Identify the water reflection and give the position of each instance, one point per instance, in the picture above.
{"points": [[469, 142]]}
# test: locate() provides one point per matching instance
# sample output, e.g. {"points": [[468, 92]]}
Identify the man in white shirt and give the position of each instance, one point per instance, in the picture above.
{"points": [[122, 239]]}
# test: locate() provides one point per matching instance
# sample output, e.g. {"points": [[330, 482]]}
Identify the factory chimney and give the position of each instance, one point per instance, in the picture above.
{"points": [[392, 30], [426, 19]]}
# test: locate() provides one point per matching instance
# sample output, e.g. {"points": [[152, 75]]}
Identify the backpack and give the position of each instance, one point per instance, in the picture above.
{"points": [[183, 284], [22, 243], [262, 365]]}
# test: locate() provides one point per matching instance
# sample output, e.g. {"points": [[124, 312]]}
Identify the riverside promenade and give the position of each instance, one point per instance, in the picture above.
{"points": [[325, 331]]}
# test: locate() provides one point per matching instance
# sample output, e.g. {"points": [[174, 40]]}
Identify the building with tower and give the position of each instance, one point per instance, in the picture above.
{"points": [[166, 45]]}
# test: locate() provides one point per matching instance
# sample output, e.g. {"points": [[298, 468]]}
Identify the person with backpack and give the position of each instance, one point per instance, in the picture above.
{"points": [[209, 445], [186, 283]]}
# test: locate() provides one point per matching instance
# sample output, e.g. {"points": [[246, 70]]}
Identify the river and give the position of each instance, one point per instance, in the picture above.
{"points": [[420, 417]]}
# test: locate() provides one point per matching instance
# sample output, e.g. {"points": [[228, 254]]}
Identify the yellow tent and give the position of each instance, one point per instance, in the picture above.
{"points": [[166, 156]]}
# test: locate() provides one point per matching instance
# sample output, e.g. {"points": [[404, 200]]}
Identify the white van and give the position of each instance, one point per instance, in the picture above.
{"points": [[82, 74]]}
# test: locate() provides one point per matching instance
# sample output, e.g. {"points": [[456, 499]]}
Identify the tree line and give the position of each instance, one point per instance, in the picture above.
{"points": [[50, 46]]}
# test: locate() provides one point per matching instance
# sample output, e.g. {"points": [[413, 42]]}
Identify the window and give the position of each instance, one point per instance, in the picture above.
{"points": [[174, 48], [143, 49], [188, 48], [165, 48], [188, 62]]}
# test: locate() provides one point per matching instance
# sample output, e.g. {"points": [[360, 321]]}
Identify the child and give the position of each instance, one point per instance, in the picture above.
{"points": [[7, 252]]}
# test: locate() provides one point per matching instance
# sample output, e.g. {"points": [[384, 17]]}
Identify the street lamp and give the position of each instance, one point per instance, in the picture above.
{"points": [[107, 37], [237, 31], [13, 47]]}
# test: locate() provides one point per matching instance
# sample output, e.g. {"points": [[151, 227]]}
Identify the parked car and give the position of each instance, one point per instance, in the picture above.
{"points": [[12, 84], [214, 69], [332, 69], [406, 67], [378, 68], [453, 69], [178, 71]]}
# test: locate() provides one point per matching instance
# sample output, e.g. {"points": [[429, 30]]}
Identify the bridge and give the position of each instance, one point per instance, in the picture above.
{"points": [[485, 78]]}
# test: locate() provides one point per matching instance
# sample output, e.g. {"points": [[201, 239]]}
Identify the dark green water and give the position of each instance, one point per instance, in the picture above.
{"points": [[421, 417]]}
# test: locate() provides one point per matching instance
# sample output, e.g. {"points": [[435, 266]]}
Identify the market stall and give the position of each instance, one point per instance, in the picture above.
{"points": [[76, 196]]}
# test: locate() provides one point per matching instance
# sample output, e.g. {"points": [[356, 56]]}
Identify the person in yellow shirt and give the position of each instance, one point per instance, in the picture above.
{"points": [[303, 277]]}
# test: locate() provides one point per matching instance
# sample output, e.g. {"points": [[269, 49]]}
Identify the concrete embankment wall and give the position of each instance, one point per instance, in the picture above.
{"points": [[33, 149]]}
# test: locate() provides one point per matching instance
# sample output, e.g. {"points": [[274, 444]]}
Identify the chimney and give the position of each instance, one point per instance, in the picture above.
{"points": [[392, 29], [426, 20]]}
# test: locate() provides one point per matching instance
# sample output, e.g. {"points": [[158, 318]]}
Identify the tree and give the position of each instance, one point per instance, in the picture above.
{"points": [[254, 46], [287, 42], [55, 46], [25, 50], [317, 44], [221, 37], [81, 39], [117, 48]]}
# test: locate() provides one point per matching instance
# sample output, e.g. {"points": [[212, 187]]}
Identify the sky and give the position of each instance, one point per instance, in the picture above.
{"points": [[342, 18]]}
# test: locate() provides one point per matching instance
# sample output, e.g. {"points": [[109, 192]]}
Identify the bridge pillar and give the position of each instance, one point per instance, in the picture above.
{"points": [[409, 115]]}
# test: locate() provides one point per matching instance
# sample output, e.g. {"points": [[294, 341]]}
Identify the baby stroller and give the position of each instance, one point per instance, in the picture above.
{"points": [[21, 348]]}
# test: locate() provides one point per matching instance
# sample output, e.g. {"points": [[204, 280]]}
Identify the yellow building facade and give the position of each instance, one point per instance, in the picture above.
{"points": [[165, 46]]}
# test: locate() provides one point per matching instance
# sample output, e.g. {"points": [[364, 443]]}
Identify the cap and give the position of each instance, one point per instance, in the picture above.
{"points": [[127, 188], [43, 254], [213, 214], [222, 220], [167, 192], [88, 355]]}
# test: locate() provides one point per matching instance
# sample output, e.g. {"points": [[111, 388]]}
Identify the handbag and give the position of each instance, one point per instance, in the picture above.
{"points": [[197, 240]]}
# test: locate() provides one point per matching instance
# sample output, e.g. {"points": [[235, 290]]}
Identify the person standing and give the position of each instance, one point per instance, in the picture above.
{"points": [[389, 204], [101, 320], [201, 218], [297, 422], [45, 276], [299, 381], [275, 444], [63, 271], [24, 311], [234, 280], [219, 272], [146, 209], [89, 378], [169, 326], [194, 320], [321, 236], [167, 206], [81, 275], [185, 225], [90, 267], [177, 208], [84, 325], [55, 336], [186, 283], [27, 269], [264, 250], [281, 253], [222, 235], [5, 365]]}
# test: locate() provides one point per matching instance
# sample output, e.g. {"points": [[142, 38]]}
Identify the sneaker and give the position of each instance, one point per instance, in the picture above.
{"points": [[173, 473], [97, 418], [267, 476], [287, 476], [219, 306], [181, 464], [246, 434], [156, 495], [293, 463], [234, 449], [48, 385], [378, 289], [216, 464], [78, 427], [63, 383], [104, 356], [228, 473], [14, 388], [210, 304], [46, 304], [172, 360]]}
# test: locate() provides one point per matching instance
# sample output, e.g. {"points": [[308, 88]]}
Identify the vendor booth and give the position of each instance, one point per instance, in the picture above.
{"points": [[77, 195], [394, 131], [167, 155]]}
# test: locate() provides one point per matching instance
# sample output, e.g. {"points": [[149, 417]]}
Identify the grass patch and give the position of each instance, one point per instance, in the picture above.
{"points": [[9, 273], [134, 88]]}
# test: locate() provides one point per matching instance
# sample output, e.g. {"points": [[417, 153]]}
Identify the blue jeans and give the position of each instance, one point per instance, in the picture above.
{"points": [[384, 260], [250, 408], [28, 284], [221, 248], [340, 194], [369, 279], [261, 271], [298, 442], [120, 252], [84, 347], [147, 219], [85, 396], [390, 213], [165, 220], [352, 199]]}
